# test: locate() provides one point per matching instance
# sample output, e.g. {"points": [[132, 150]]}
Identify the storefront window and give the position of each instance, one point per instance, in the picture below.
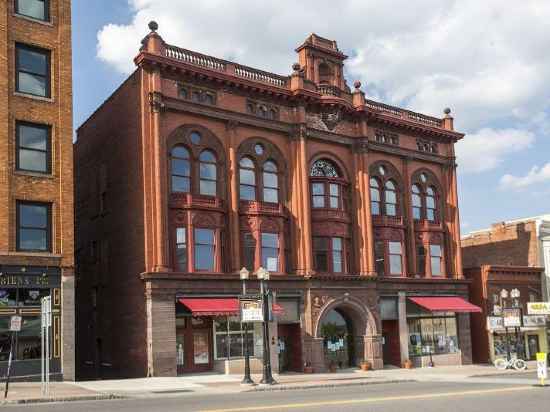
{"points": [[8, 297], [230, 338], [5, 338], [28, 340], [437, 335], [32, 297]]}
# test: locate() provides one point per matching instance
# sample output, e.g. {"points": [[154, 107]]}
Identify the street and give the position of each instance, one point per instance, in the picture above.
{"points": [[413, 396]]}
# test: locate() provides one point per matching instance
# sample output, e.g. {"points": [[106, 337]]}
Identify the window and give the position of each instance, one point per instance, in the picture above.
{"points": [[247, 177], [207, 173], [374, 196], [318, 190], [436, 260], [33, 226], [421, 260], [35, 9], [33, 147], [33, 70], [271, 182], [380, 257], [334, 197], [204, 249], [249, 251], [437, 335], [181, 249], [326, 192], [416, 202], [181, 170], [230, 338], [396, 258], [270, 251], [329, 254], [430, 204], [390, 196]]}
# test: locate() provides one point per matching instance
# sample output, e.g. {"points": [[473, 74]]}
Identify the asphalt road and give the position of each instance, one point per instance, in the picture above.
{"points": [[414, 396]]}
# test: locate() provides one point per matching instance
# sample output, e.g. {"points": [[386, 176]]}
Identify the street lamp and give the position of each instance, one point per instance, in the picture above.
{"points": [[267, 378], [515, 295], [247, 379]]}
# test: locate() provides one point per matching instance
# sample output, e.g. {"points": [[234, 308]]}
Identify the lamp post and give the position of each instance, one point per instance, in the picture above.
{"points": [[267, 377], [503, 297], [247, 379], [515, 295]]}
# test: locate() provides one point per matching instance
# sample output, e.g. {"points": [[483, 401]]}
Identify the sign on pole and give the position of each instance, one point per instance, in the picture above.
{"points": [[15, 323], [511, 317], [251, 310], [538, 308], [542, 369]]}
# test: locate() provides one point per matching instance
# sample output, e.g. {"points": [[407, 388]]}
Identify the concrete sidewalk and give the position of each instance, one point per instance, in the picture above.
{"points": [[213, 383]]}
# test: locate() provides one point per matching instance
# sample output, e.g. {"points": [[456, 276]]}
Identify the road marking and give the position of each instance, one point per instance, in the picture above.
{"points": [[372, 400]]}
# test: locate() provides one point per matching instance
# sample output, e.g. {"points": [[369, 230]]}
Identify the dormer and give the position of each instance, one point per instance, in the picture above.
{"points": [[322, 61]]}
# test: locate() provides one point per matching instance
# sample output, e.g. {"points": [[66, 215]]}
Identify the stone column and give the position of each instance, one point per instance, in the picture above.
{"points": [[161, 332], [408, 219], [403, 327], [234, 231], [373, 351], [318, 355], [465, 338]]}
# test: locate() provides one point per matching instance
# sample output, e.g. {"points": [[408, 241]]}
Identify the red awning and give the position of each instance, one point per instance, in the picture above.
{"points": [[445, 304], [218, 306]]}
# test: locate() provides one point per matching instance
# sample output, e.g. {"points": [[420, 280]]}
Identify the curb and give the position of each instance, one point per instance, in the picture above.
{"points": [[101, 397], [324, 385], [501, 373]]}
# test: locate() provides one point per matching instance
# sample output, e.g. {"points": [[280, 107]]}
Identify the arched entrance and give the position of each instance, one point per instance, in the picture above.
{"points": [[338, 339]]}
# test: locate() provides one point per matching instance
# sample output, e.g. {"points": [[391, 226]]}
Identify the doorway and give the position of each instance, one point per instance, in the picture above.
{"points": [[194, 344], [533, 345], [391, 348], [290, 347], [338, 339]]}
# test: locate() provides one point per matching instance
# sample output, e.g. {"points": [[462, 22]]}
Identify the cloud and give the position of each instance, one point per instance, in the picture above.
{"points": [[537, 175], [483, 60], [486, 149]]}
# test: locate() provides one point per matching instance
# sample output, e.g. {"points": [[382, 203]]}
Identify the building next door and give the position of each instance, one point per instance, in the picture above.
{"points": [[534, 347], [391, 349], [194, 348], [290, 347]]}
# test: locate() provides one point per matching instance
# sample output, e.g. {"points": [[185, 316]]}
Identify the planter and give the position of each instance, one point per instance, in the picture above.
{"points": [[308, 369], [366, 366], [332, 368], [408, 364]]}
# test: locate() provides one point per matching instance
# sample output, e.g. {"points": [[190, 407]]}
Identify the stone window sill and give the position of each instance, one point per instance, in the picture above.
{"points": [[33, 20], [33, 97]]}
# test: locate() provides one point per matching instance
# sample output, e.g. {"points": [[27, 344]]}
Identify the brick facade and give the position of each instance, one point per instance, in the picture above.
{"points": [[55, 188], [127, 214]]}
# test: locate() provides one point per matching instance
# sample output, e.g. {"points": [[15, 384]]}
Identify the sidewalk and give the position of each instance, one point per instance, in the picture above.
{"points": [[213, 383]]}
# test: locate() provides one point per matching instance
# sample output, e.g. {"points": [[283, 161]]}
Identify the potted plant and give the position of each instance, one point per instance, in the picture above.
{"points": [[408, 364], [366, 366], [308, 368], [332, 366]]}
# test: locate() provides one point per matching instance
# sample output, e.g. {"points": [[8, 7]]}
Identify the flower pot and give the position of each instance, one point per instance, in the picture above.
{"points": [[366, 366], [332, 368], [408, 364], [308, 369]]}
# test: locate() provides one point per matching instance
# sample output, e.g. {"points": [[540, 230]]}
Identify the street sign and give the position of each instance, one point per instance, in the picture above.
{"points": [[534, 321], [251, 311], [494, 322], [15, 324], [538, 308], [512, 317], [542, 369]]}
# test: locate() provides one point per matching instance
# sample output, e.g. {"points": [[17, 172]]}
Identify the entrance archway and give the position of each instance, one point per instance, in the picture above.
{"points": [[338, 339]]}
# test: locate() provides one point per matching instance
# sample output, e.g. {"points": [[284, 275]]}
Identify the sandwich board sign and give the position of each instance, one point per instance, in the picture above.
{"points": [[542, 369]]}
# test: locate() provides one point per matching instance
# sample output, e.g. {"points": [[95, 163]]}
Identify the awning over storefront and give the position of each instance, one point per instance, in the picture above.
{"points": [[445, 304], [217, 306]]}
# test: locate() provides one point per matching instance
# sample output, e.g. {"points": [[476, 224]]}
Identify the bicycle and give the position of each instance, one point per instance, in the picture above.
{"points": [[514, 363]]}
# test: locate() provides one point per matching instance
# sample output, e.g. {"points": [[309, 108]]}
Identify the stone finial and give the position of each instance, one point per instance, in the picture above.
{"points": [[447, 111], [153, 26], [357, 84]]}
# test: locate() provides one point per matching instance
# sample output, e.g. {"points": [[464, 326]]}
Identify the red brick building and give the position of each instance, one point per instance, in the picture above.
{"points": [[36, 182], [196, 167]]}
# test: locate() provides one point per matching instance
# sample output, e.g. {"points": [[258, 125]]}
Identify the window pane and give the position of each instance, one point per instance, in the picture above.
{"points": [[207, 156], [247, 192], [248, 177], [201, 350], [391, 197], [269, 166], [270, 180], [271, 195], [375, 208], [334, 202], [204, 236], [390, 185], [5, 338], [421, 260], [430, 215], [336, 243], [33, 160], [416, 201], [375, 195], [180, 184], [391, 210], [379, 251], [270, 251], [180, 167], [204, 257], [32, 137], [208, 171], [246, 162], [320, 243], [208, 187], [33, 216], [318, 201], [395, 265], [321, 261], [32, 8], [32, 61], [337, 261], [249, 250], [180, 151], [395, 248], [33, 239], [334, 190], [28, 340], [222, 341], [430, 202], [32, 84], [416, 213], [8, 297], [318, 189], [31, 297], [436, 266], [181, 248], [435, 250], [235, 345], [270, 240]]}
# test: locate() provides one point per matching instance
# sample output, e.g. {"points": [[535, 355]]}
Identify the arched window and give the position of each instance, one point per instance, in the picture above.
{"points": [[207, 173], [374, 196], [180, 169], [271, 182], [390, 198], [247, 177], [425, 198], [416, 202], [326, 187]]}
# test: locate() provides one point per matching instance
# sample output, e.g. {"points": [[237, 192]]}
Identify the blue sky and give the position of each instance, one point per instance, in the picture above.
{"points": [[487, 63]]}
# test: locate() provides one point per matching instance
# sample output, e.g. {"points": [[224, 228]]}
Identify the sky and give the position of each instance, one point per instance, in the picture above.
{"points": [[488, 61]]}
